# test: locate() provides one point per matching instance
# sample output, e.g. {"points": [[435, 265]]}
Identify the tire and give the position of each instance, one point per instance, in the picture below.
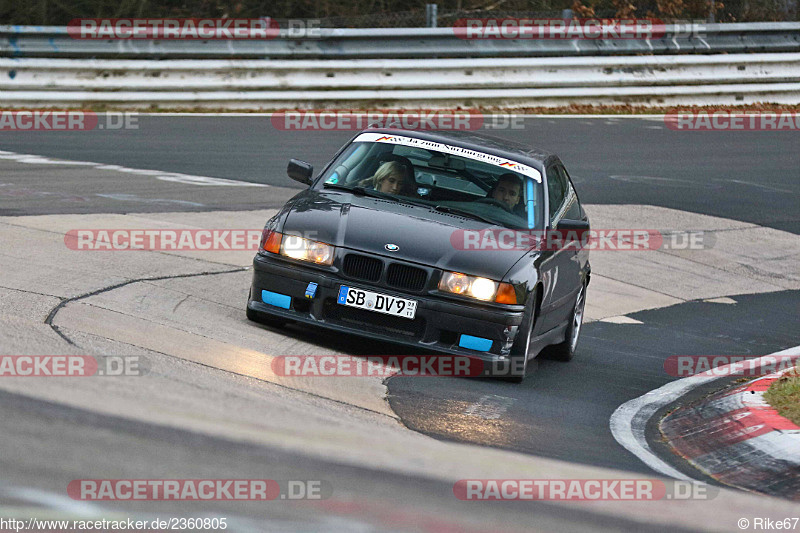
{"points": [[261, 318], [520, 350], [566, 350]]}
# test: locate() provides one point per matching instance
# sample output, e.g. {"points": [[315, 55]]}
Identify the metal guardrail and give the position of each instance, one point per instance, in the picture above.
{"points": [[443, 83], [411, 67], [105, 75], [396, 43]]}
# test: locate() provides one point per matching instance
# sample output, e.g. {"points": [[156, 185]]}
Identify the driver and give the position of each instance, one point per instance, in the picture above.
{"points": [[508, 190], [389, 178]]}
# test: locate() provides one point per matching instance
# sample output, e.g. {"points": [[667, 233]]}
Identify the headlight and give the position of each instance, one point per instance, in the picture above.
{"points": [[299, 248], [479, 288], [306, 250]]}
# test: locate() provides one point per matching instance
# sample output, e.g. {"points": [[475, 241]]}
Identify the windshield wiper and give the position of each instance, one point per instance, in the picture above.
{"points": [[360, 191], [356, 189], [363, 191], [463, 213]]}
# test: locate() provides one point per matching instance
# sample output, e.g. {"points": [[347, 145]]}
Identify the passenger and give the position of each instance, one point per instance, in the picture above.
{"points": [[389, 178], [508, 190]]}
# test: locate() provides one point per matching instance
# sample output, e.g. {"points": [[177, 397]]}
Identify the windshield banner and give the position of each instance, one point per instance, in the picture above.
{"points": [[501, 162]]}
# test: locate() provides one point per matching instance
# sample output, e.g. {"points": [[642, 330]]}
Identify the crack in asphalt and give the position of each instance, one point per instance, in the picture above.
{"points": [[65, 301], [31, 292], [54, 311], [177, 305]]}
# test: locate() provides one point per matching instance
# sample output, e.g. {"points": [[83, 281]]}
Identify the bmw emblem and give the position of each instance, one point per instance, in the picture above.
{"points": [[392, 247]]}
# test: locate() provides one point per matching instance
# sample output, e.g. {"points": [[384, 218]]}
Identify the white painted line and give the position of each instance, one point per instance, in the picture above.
{"points": [[724, 300], [175, 177], [761, 186], [205, 180], [122, 197], [621, 319], [490, 407], [41, 160], [629, 421], [50, 500]]}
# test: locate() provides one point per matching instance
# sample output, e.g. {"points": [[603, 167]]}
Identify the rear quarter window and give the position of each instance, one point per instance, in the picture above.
{"points": [[573, 210], [556, 191]]}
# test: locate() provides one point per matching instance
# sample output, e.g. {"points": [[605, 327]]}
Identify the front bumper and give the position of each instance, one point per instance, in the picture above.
{"points": [[438, 324]]}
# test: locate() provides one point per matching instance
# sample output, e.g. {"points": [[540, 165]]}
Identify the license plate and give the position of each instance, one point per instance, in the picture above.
{"points": [[380, 303]]}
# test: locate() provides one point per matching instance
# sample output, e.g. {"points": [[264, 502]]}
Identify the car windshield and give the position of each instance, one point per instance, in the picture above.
{"points": [[465, 186]]}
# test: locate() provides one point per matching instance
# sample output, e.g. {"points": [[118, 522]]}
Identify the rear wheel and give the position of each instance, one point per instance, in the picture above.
{"points": [[566, 350]]}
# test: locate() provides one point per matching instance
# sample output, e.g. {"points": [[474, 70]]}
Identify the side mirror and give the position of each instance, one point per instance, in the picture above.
{"points": [[300, 171], [572, 225], [572, 232]]}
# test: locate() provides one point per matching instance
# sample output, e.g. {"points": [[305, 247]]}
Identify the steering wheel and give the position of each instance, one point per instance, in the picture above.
{"points": [[497, 203]]}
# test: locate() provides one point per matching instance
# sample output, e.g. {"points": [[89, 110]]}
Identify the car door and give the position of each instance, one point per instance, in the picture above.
{"points": [[559, 268], [574, 211], [576, 255]]}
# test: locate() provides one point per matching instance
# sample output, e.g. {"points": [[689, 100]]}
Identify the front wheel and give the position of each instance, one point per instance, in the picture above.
{"points": [[566, 350], [521, 350]]}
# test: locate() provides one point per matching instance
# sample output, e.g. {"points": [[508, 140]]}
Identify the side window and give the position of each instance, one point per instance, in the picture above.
{"points": [[573, 210], [556, 191]]}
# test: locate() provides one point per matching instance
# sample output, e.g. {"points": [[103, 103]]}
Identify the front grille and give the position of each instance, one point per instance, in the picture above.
{"points": [[372, 321], [406, 277], [362, 267]]}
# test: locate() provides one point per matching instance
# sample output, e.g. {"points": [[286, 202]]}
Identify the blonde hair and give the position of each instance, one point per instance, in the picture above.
{"points": [[384, 171]]}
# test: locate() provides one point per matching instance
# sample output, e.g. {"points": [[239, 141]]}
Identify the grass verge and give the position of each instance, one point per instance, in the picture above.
{"points": [[784, 395]]}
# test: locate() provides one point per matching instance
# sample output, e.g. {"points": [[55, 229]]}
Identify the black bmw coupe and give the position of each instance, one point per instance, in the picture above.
{"points": [[434, 240]]}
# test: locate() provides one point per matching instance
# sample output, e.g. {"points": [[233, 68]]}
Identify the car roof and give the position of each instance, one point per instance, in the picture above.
{"points": [[481, 142]]}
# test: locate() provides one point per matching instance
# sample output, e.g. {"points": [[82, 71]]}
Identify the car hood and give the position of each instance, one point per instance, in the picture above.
{"points": [[422, 235]]}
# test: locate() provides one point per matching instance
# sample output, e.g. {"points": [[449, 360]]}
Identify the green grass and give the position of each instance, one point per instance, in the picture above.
{"points": [[784, 395]]}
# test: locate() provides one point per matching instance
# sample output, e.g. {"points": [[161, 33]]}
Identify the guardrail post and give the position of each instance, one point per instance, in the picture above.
{"points": [[791, 9], [431, 12]]}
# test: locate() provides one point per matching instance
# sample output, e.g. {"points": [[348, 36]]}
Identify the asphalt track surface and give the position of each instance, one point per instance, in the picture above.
{"points": [[32, 457], [561, 411], [748, 176]]}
